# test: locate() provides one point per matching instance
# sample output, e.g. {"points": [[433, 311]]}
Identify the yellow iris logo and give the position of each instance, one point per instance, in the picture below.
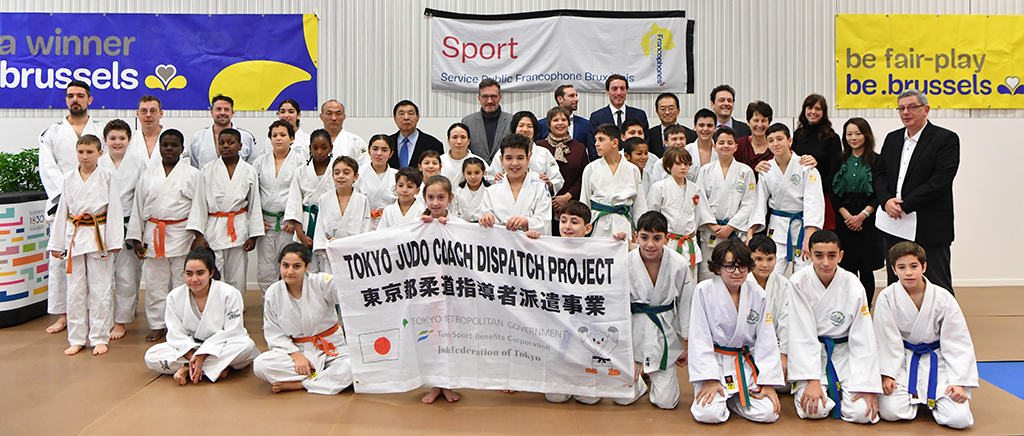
{"points": [[651, 37], [166, 78]]}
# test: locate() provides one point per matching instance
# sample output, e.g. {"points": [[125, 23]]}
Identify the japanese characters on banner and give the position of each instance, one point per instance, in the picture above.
{"points": [[184, 59], [959, 61], [462, 306], [537, 51]]}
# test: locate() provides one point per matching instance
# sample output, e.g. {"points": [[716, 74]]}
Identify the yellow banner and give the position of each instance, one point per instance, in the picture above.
{"points": [[959, 61]]}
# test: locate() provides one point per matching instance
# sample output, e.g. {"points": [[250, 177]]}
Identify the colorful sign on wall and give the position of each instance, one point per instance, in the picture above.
{"points": [[959, 61], [23, 260], [258, 60]]}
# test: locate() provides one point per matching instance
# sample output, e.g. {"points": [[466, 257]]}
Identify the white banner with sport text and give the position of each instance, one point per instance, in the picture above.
{"points": [[462, 306], [537, 51]]}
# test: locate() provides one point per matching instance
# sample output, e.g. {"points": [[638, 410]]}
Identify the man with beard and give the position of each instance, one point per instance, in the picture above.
{"points": [[57, 156], [203, 147], [568, 99]]}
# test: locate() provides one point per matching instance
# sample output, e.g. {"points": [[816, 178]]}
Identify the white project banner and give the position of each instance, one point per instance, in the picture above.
{"points": [[537, 51], [462, 306]]}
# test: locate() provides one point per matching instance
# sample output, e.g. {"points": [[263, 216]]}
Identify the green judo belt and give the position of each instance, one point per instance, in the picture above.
{"points": [[314, 211], [652, 313], [278, 215], [604, 209]]}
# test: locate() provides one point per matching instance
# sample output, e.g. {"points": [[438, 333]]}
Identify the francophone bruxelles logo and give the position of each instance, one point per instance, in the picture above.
{"points": [[657, 42], [1011, 86], [166, 78]]}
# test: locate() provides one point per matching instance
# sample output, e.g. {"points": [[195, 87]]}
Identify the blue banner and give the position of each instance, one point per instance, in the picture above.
{"points": [[185, 60]]}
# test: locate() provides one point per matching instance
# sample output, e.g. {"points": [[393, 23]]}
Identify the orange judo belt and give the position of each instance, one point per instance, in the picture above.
{"points": [[231, 221], [86, 219], [319, 342], [742, 357], [376, 213], [160, 233], [687, 238]]}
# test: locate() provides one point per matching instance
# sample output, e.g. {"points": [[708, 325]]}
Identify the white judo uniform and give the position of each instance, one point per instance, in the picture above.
{"points": [[379, 190], [335, 224], [541, 162], [604, 191], [467, 202], [163, 205], [533, 203], [274, 188], [227, 213], [87, 227], [898, 321], [795, 201], [306, 189], [299, 145], [138, 147], [694, 150], [127, 266], [217, 331], [452, 168], [351, 145], [840, 314], [653, 173], [57, 157], [202, 148], [286, 319], [392, 215], [778, 292], [686, 209], [745, 336], [730, 197]]}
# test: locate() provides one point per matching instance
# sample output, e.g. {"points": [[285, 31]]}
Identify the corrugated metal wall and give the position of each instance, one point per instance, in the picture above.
{"points": [[375, 53]]}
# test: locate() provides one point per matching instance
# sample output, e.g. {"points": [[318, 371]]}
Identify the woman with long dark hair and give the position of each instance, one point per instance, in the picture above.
{"points": [[814, 136]]}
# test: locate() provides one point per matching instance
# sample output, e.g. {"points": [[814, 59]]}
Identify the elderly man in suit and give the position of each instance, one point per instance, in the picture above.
{"points": [[914, 173], [488, 125], [409, 142], [567, 98], [667, 106], [616, 86]]}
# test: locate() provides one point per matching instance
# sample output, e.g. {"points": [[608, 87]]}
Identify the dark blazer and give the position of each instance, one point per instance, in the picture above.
{"points": [[741, 128], [605, 116], [656, 139], [423, 143], [928, 185], [581, 125]]}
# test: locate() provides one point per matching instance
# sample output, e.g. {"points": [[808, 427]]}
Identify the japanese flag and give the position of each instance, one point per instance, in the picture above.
{"points": [[379, 346]]}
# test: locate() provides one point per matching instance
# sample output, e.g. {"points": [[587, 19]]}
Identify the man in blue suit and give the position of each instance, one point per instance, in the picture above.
{"points": [[615, 113], [567, 97]]}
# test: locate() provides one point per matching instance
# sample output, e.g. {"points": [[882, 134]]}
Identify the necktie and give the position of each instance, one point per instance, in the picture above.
{"points": [[618, 118], [403, 153]]}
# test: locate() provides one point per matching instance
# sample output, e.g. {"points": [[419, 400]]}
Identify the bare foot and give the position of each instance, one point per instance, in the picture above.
{"points": [[223, 374], [181, 376], [431, 396], [117, 332], [450, 395], [99, 349], [287, 386], [73, 350], [156, 335], [508, 391], [59, 325]]}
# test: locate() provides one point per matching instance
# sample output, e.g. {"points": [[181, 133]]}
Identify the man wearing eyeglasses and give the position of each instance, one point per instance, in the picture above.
{"points": [[489, 124], [667, 106], [144, 141], [914, 174]]}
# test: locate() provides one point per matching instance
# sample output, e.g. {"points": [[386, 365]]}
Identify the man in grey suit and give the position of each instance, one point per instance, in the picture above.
{"points": [[490, 124]]}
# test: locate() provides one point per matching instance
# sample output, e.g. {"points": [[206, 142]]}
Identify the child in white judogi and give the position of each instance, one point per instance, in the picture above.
{"points": [[542, 162], [658, 278], [520, 200], [702, 150], [733, 354], [409, 204], [163, 204], [612, 187], [343, 212], [307, 344], [925, 352], [792, 194], [470, 192], [778, 290], [126, 167], [205, 332], [831, 341], [681, 202], [90, 200], [276, 171], [310, 182], [377, 182], [458, 153], [228, 214], [729, 188]]}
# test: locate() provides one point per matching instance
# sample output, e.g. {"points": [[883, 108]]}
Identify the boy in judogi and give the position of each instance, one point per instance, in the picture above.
{"points": [[925, 352], [612, 187], [409, 204], [831, 340], [519, 201], [778, 290], [276, 171]]}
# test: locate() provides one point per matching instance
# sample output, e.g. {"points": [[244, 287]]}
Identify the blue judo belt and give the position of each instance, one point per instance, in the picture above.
{"points": [[933, 368], [835, 390], [604, 209], [652, 313], [791, 248]]}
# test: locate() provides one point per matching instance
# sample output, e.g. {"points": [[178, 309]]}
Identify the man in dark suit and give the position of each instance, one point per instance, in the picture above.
{"points": [[723, 99], [409, 142], [914, 173], [615, 113], [667, 106], [567, 97]]}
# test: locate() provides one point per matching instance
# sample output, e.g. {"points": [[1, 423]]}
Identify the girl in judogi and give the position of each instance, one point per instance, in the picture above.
{"points": [[378, 180], [276, 171], [542, 162], [90, 199], [312, 181], [792, 194], [635, 151], [430, 164], [127, 169], [458, 152], [409, 205], [307, 344], [205, 333], [471, 190], [729, 188], [925, 352], [519, 201], [733, 354], [344, 212], [612, 187], [163, 205], [228, 212]]}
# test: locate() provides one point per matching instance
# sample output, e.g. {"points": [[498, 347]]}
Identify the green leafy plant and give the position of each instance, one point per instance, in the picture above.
{"points": [[19, 172]]}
